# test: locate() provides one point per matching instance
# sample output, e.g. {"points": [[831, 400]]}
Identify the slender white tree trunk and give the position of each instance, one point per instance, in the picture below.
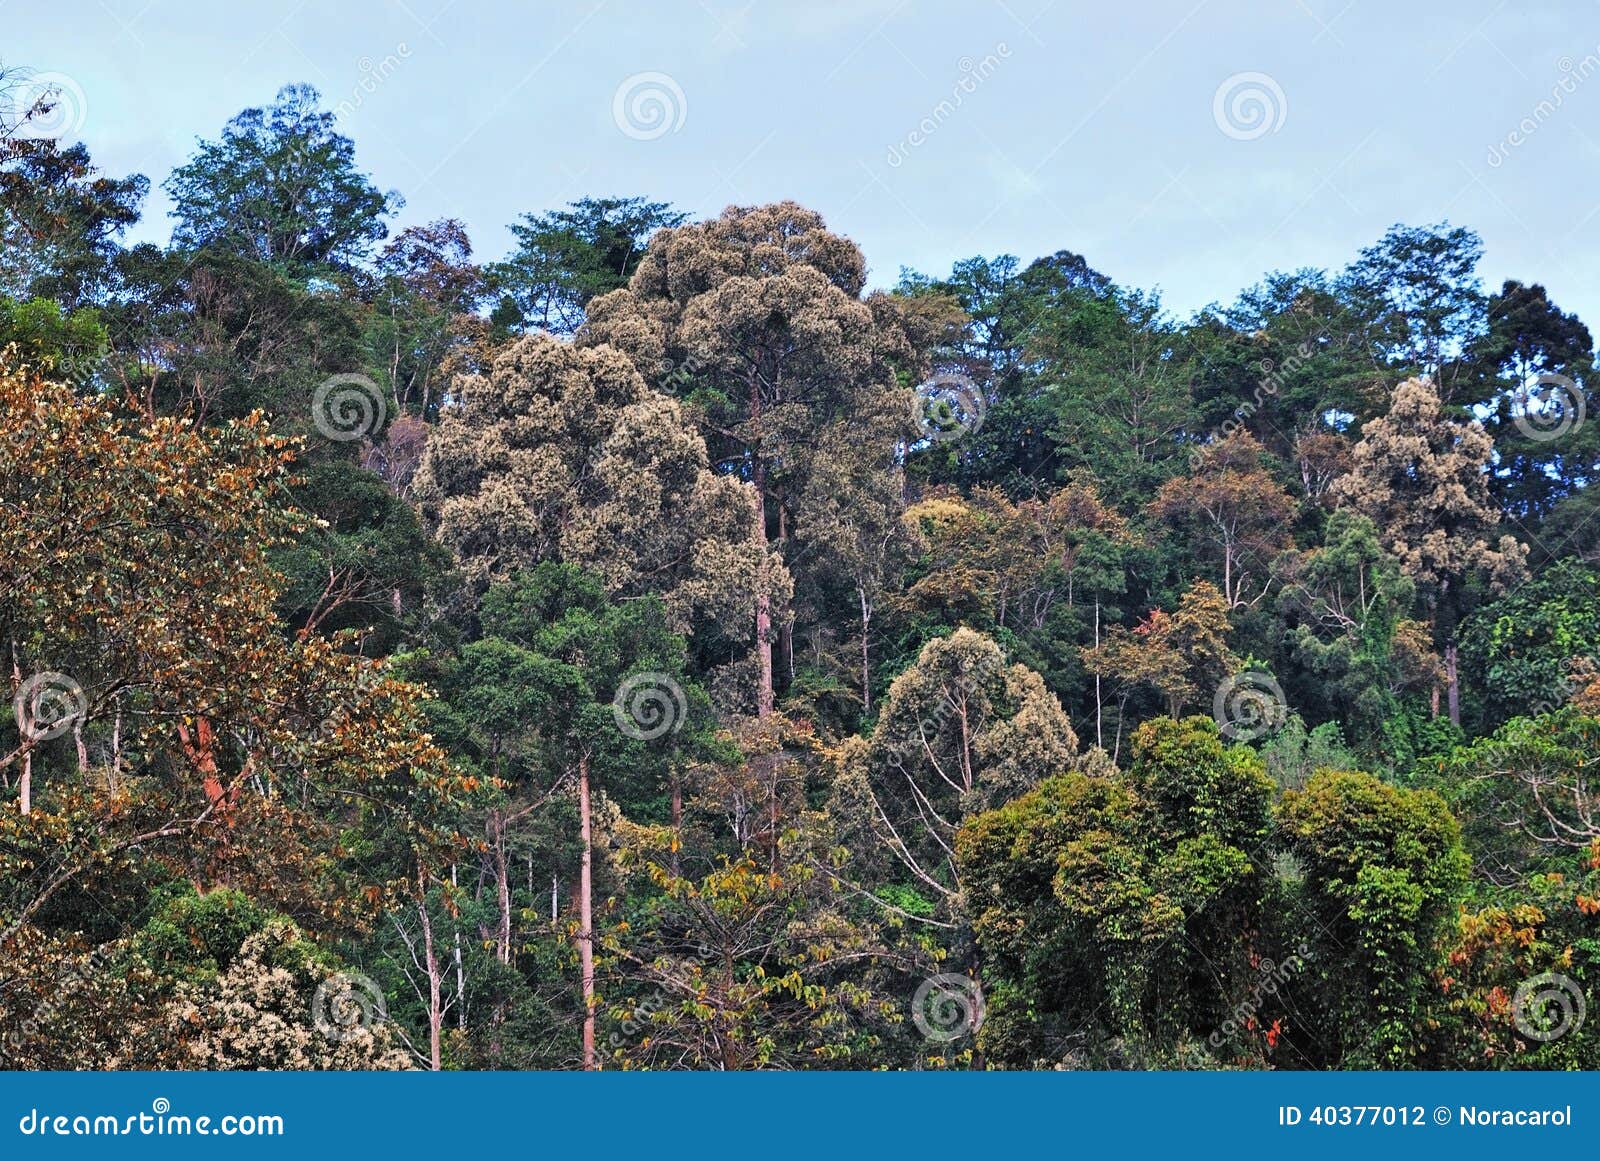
{"points": [[586, 915]]}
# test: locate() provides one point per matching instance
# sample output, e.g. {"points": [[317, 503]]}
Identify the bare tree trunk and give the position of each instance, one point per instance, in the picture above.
{"points": [[502, 885], [1099, 734], [1450, 643], [677, 815], [866, 667], [764, 698], [461, 971], [586, 915], [966, 744], [25, 781], [430, 963], [775, 857], [730, 1055], [786, 630], [115, 769], [758, 479], [1116, 749], [1453, 683], [502, 935]]}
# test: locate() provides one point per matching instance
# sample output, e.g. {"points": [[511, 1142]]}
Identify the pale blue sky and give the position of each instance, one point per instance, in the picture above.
{"points": [[1093, 127]]}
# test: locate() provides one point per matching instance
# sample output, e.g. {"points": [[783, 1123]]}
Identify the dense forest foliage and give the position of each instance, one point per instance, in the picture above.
{"points": [[655, 649]]}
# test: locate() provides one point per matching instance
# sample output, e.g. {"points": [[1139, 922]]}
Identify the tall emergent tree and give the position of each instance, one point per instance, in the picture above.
{"points": [[1417, 291], [280, 185], [562, 453], [756, 319], [1421, 477]]}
